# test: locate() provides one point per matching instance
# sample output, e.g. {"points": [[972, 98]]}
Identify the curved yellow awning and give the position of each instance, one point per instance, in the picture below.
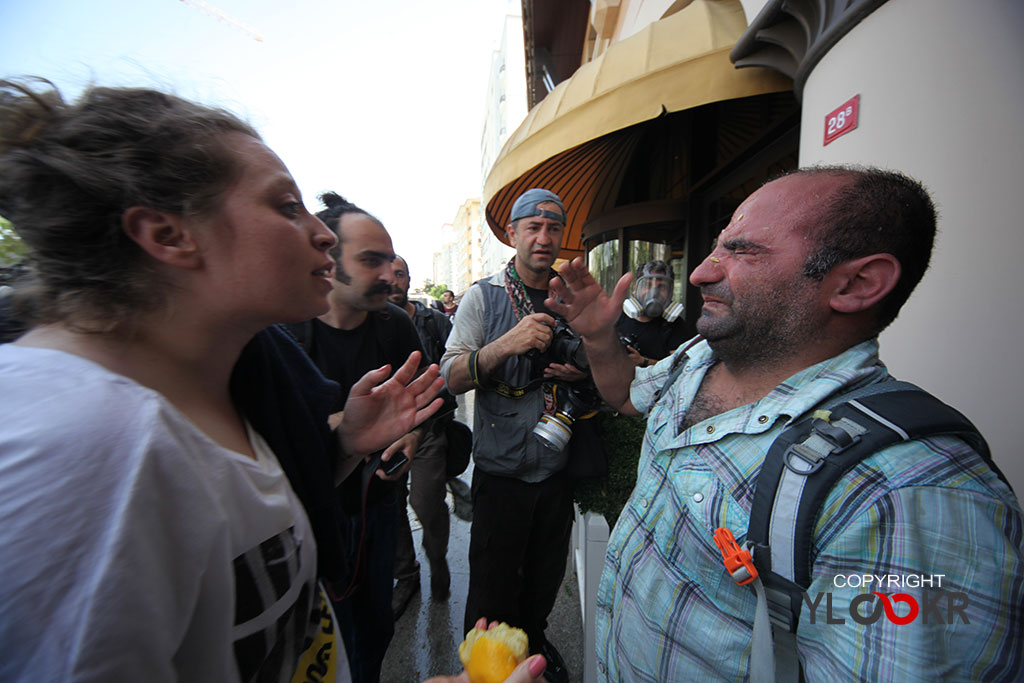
{"points": [[677, 63]]}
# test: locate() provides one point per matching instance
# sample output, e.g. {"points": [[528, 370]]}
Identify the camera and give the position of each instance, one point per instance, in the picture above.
{"points": [[566, 347], [573, 401]]}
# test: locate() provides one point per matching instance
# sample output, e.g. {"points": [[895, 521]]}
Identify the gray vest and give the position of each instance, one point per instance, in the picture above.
{"points": [[503, 440]]}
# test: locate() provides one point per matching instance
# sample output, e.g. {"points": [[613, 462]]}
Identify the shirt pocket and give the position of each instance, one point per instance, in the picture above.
{"points": [[500, 440]]}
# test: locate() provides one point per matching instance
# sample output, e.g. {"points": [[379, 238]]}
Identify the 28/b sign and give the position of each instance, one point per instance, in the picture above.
{"points": [[842, 120]]}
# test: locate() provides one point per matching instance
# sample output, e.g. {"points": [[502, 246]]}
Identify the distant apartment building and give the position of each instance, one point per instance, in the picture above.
{"points": [[443, 259], [506, 109], [467, 226], [469, 249], [457, 264]]}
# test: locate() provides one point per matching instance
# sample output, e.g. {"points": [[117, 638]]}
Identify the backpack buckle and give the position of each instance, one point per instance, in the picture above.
{"points": [[738, 561], [836, 432], [811, 459], [825, 439]]}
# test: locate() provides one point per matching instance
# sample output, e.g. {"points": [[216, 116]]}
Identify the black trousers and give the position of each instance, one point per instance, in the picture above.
{"points": [[518, 546], [365, 619]]}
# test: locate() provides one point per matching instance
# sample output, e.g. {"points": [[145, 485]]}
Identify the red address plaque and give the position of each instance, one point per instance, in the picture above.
{"points": [[842, 120]]}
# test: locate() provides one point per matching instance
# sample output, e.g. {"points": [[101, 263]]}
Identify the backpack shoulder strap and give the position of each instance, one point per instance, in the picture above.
{"points": [[809, 457], [439, 338]]}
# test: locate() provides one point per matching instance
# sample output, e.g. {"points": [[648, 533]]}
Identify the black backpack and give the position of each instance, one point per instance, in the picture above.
{"points": [[806, 461], [802, 466]]}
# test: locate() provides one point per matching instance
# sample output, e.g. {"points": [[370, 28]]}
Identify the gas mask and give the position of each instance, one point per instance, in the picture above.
{"points": [[652, 297]]}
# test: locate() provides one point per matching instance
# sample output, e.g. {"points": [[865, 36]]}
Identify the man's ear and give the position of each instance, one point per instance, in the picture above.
{"points": [[860, 284], [510, 233], [162, 235]]}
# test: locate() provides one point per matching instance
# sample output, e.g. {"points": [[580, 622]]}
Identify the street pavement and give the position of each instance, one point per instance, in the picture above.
{"points": [[428, 634]]}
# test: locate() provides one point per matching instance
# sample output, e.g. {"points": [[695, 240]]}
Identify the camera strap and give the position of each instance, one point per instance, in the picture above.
{"points": [[508, 391]]}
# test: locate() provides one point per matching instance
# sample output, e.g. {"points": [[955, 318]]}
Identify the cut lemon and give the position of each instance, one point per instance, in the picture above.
{"points": [[490, 656]]}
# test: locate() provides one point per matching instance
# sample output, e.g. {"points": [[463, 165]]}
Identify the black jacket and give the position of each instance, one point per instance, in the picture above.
{"points": [[287, 401]]}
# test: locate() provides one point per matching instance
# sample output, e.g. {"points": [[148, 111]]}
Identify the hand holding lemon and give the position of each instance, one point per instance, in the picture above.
{"points": [[496, 654], [491, 655]]}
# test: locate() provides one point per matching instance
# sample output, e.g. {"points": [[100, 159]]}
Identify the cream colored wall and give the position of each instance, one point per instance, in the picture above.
{"points": [[634, 15], [942, 98], [631, 16], [752, 7], [466, 257]]}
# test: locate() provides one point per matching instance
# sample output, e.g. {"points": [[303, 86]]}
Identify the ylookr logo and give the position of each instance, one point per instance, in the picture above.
{"points": [[937, 606]]}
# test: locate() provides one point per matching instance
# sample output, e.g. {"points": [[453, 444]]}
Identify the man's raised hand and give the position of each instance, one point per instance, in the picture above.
{"points": [[581, 300]]}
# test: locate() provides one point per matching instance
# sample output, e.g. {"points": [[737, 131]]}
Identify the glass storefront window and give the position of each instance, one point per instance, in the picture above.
{"points": [[642, 252], [603, 261]]}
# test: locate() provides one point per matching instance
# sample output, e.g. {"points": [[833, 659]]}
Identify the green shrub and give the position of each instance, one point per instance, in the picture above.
{"points": [[12, 249], [621, 437]]}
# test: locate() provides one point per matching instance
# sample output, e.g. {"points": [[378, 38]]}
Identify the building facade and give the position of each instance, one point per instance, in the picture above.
{"points": [[457, 261], [676, 110], [655, 118], [505, 109]]}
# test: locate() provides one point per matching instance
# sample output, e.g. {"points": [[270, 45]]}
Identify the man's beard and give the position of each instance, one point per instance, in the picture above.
{"points": [[773, 325], [339, 271], [399, 297]]}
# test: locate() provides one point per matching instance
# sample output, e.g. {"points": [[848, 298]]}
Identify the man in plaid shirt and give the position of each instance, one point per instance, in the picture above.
{"points": [[809, 270]]}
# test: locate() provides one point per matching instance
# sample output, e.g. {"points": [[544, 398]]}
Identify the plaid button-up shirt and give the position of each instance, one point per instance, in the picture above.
{"points": [[668, 611]]}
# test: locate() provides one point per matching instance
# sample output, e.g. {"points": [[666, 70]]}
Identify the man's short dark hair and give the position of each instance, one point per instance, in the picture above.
{"points": [[656, 267], [878, 212], [337, 206]]}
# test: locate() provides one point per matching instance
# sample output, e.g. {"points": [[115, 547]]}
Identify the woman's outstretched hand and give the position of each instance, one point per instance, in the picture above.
{"points": [[378, 412]]}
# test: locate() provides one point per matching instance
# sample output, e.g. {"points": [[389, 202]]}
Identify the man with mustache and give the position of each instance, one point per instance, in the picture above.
{"points": [[360, 332], [522, 497], [809, 270]]}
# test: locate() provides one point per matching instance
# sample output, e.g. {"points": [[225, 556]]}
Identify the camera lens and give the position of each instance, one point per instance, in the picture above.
{"points": [[554, 430]]}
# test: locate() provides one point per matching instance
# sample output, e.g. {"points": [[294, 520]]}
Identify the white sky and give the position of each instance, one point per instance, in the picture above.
{"points": [[382, 102]]}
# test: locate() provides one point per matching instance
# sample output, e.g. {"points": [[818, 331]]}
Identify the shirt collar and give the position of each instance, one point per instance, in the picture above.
{"points": [[857, 366]]}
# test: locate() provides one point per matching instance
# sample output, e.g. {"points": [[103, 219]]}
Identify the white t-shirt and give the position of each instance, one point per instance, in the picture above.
{"points": [[132, 547]]}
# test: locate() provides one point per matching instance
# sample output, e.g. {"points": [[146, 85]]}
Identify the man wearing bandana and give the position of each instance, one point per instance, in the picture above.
{"points": [[522, 498]]}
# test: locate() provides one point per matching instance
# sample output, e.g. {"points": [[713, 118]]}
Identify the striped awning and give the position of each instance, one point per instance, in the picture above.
{"points": [[578, 140]]}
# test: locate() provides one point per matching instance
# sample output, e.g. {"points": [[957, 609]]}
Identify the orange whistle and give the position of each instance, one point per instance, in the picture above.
{"points": [[738, 561]]}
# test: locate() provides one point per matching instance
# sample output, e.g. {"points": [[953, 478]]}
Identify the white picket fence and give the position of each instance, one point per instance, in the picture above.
{"points": [[590, 540]]}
